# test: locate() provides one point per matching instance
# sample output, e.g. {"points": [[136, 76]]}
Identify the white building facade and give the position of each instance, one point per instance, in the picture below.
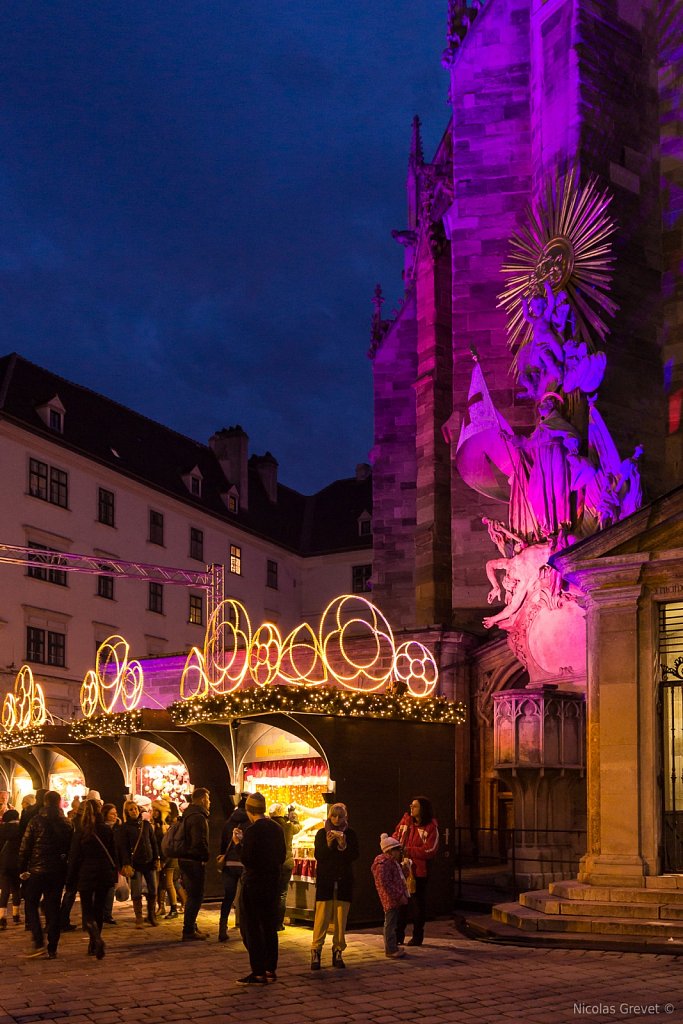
{"points": [[82, 474]]}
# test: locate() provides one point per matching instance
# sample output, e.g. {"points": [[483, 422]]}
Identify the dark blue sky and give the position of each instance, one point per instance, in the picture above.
{"points": [[196, 201]]}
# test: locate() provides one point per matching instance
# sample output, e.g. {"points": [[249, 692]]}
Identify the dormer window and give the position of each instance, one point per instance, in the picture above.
{"points": [[52, 414], [193, 481], [232, 500], [364, 524]]}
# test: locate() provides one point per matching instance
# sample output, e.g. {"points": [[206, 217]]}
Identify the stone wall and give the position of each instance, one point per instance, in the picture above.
{"points": [[394, 470], [492, 176], [670, 80]]}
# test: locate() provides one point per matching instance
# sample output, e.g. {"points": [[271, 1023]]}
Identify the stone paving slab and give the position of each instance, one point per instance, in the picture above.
{"points": [[151, 977]]}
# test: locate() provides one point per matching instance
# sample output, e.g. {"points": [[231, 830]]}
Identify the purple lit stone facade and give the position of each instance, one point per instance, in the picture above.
{"points": [[535, 89]]}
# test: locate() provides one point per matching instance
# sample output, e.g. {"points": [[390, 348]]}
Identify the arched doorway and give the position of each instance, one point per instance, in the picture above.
{"points": [[288, 771], [159, 773]]}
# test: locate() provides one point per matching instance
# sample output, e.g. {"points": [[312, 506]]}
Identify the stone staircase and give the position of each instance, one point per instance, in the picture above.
{"points": [[655, 911]]}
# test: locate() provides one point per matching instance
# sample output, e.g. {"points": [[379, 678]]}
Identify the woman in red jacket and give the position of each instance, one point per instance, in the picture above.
{"points": [[418, 834]]}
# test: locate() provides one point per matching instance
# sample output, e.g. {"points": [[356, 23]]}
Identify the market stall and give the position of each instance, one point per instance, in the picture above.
{"points": [[299, 779]]}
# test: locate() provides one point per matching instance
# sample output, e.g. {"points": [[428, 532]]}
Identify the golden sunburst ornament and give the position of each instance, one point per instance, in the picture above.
{"points": [[566, 243]]}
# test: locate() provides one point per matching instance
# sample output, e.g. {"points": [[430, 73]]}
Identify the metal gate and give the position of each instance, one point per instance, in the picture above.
{"points": [[671, 719]]}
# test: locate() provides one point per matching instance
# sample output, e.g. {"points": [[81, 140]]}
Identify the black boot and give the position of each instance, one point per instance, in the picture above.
{"points": [[337, 959], [151, 911], [315, 959]]}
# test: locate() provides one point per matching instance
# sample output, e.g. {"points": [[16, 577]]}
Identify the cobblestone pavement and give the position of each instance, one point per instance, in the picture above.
{"points": [[151, 977]]}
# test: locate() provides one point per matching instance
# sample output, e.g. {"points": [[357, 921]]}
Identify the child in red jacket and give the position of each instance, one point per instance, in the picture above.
{"points": [[390, 881]]}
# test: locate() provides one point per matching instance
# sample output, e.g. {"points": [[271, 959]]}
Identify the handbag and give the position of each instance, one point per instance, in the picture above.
{"points": [[122, 890]]}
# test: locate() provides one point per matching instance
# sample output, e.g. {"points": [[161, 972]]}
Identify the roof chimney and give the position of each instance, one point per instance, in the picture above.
{"points": [[363, 471], [230, 446], [266, 467]]}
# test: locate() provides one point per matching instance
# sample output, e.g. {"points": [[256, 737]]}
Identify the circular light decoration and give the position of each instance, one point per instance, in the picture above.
{"points": [[302, 663], [90, 694], [354, 647], [265, 654], [194, 682], [228, 640], [114, 678], [415, 666], [350, 622], [9, 713], [25, 707]]}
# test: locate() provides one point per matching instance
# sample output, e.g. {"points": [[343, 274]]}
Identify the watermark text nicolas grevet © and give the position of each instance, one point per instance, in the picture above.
{"points": [[623, 1009]]}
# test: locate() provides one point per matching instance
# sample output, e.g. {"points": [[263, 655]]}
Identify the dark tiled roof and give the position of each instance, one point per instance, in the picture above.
{"points": [[130, 443]]}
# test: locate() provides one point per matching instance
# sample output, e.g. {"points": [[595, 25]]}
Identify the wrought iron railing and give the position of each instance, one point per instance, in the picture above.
{"points": [[493, 863]]}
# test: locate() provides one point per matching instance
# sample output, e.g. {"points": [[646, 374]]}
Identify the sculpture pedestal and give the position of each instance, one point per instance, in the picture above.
{"points": [[539, 752]]}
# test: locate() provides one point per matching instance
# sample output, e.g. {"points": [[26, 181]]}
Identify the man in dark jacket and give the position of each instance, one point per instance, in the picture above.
{"points": [[193, 860], [263, 853], [29, 812], [42, 866]]}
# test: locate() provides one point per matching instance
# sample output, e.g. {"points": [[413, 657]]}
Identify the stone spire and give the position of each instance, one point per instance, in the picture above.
{"points": [[415, 166], [379, 326], [416, 151]]}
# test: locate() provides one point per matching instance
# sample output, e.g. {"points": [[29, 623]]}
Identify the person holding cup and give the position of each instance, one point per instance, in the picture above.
{"points": [[336, 848]]}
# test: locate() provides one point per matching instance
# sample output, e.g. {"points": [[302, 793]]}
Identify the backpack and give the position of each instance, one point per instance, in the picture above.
{"points": [[174, 843]]}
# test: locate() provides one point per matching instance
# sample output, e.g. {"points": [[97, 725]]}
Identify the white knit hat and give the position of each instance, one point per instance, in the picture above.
{"points": [[388, 842]]}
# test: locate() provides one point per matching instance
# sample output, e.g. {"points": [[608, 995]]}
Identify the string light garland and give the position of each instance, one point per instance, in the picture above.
{"points": [[120, 723], [322, 700], [18, 738]]}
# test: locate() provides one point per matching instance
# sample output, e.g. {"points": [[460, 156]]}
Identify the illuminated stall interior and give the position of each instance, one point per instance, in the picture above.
{"points": [[20, 785], [286, 770], [160, 775], [65, 778]]}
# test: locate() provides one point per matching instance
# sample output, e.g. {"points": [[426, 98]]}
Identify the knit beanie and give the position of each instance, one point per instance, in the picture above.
{"points": [[256, 803], [388, 843]]}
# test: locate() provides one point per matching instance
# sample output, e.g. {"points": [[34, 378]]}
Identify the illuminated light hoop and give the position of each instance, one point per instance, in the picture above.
{"points": [[25, 707], [194, 666], [9, 713], [265, 654], [232, 617], [303, 644], [132, 683], [414, 665], [378, 678], [113, 678], [266, 658], [90, 693]]}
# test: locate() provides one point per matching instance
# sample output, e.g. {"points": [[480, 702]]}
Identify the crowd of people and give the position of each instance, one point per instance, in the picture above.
{"points": [[154, 855]]}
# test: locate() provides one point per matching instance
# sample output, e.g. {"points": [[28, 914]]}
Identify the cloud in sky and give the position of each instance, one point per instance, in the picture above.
{"points": [[196, 202]]}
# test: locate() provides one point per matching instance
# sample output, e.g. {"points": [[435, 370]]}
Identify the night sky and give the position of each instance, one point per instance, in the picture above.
{"points": [[196, 201]]}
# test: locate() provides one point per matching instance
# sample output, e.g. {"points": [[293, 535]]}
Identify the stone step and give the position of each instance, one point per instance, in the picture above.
{"points": [[664, 882], [660, 894], [547, 904], [529, 920]]}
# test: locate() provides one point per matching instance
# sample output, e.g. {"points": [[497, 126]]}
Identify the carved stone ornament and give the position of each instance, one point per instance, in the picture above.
{"points": [[561, 482]]}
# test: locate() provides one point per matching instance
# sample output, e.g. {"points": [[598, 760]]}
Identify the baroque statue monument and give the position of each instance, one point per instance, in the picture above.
{"points": [[566, 479]]}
